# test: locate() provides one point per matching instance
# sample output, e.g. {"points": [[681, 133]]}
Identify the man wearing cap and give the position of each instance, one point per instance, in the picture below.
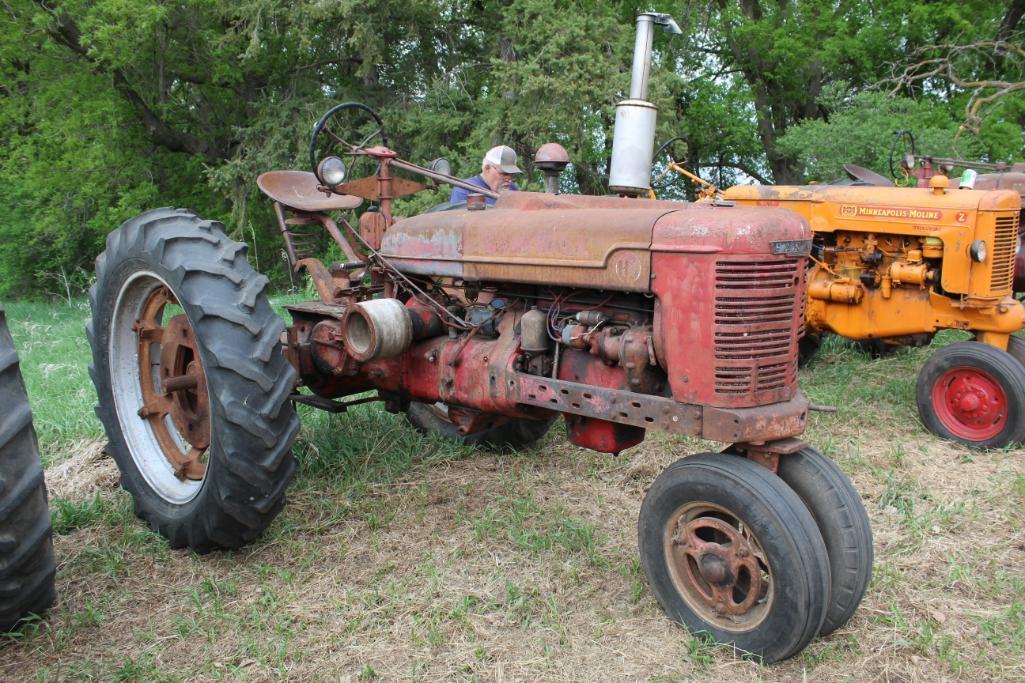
{"points": [[497, 170]]}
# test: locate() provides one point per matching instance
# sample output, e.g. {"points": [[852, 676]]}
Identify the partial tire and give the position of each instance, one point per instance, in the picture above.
{"points": [[807, 348], [730, 550], [506, 435], [193, 388], [1016, 347], [841, 518], [27, 567], [973, 393]]}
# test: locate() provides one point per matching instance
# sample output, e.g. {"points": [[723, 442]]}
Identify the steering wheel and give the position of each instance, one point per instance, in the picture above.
{"points": [[663, 177], [907, 154], [335, 135]]}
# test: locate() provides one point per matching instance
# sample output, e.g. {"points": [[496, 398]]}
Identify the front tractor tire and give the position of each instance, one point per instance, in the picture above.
{"points": [[835, 505], [27, 566], [193, 388], [731, 551], [973, 393]]}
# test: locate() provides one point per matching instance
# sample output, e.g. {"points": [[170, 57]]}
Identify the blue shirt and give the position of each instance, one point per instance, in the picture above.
{"points": [[459, 195]]}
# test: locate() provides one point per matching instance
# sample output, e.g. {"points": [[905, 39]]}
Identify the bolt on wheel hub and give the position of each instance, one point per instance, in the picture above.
{"points": [[970, 403], [718, 566], [173, 387]]}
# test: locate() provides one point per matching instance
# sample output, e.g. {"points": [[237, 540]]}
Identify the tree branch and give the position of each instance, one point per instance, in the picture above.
{"points": [[65, 32]]}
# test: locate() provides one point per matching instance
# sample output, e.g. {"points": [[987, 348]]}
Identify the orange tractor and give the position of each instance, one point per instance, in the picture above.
{"points": [[894, 265]]}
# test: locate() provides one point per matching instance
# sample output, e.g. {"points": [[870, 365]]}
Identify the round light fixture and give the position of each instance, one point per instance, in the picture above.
{"points": [[331, 171]]}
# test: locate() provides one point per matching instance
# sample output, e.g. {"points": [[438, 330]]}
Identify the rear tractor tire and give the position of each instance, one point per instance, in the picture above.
{"points": [[27, 567], [193, 388], [730, 550], [506, 435], [973, 393]]}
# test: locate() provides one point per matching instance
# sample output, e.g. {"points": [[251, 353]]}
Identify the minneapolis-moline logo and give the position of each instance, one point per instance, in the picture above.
{"points": [[856, 211]]}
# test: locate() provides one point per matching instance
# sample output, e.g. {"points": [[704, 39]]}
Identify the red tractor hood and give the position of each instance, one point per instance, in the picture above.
{"points": [[579, 240]]}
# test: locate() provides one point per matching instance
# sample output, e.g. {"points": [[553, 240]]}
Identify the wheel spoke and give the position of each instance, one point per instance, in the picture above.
{"points": [[155, 408], [180, 383], [327, 131], [189, 467], [148, 331]]}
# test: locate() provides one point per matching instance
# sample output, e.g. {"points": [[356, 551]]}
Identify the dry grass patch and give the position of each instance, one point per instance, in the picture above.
{"points": [[403, 558]]}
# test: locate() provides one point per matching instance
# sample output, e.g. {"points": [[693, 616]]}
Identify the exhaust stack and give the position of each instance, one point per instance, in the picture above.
{"points": [[633, 139]]}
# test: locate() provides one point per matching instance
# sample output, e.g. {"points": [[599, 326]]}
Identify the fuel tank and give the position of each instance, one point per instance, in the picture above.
{"points": [[578, 240]]}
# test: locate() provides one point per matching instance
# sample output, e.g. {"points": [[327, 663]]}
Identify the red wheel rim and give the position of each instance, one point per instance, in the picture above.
{"points": [[970, 403]]}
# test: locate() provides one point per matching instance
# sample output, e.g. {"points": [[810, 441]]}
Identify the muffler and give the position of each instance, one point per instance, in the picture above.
{"points": [[633, 139]]}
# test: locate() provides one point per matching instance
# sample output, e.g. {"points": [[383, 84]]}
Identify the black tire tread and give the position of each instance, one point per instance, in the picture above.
{"points": [[249, 380], [837, 509], [27, 567], [752, 482]]}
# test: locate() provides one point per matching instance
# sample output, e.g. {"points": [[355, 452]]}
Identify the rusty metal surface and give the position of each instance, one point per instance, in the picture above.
{"points": [[370, 188], [727, 322], [534, 238], [328, 288], [740, 318], [718, 566], [183, 380], [551, 153], [601, 435], [1002, 181], [704, 228], [301, 191], [372, 226], [177, 396], [434, 175], [617, 405], [760, 423], [317, 308], [479, 373]]}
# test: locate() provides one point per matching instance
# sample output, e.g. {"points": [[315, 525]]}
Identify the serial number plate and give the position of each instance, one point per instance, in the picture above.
{"points": [[791, 247]]}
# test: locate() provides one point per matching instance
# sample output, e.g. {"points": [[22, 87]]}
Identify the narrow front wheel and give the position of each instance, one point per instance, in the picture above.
{"points": [[843, 522], [730, 550], [973, 393]]}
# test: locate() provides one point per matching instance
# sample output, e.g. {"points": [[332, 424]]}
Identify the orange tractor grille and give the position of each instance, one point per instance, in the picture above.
{"points": [[1004, 242], [757, 317]]}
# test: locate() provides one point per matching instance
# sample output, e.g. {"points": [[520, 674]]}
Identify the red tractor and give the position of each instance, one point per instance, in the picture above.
{"points": [[485, 324]]}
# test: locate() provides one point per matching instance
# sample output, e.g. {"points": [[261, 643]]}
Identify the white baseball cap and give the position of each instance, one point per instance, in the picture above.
{"points": [[503, 158]]}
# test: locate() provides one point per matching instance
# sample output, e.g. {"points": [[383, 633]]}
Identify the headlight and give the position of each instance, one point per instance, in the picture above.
{"points": [[331, 171], [978, 250], [441, 166]]}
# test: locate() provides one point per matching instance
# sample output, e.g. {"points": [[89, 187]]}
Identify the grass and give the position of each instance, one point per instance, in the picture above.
{"points": [[401, 557]]}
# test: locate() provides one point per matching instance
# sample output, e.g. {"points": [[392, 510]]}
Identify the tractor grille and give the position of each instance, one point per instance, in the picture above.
{"points": [[756, 303], [1004, 242]]}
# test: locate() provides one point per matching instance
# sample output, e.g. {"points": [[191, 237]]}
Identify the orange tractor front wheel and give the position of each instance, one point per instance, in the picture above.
{"points": [[973, 393]]}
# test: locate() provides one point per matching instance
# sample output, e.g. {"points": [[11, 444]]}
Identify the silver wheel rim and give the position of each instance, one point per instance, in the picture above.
{"points": [[126, 388]]}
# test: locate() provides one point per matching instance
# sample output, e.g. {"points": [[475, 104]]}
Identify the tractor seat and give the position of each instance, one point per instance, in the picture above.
{"points": [[299, 190]]}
